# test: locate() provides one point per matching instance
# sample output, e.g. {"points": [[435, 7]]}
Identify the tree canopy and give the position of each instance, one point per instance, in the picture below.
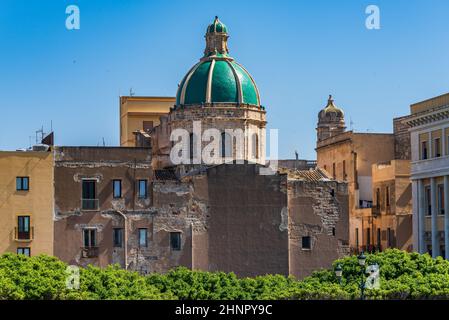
{"points": [[402, 276]]}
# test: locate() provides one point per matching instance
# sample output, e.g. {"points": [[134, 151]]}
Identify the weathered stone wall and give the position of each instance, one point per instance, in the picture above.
{"points": [[248, 224], [229, 216], [103, 164], [318, 210], [402, 148]]}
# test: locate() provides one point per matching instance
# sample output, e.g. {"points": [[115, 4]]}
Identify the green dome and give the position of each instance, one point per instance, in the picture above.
{"points": [[216, 26], [217, 78], [215, 81]]}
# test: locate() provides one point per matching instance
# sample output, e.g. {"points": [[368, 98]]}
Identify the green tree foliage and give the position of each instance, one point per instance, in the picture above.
{"points": [[402, 276]]}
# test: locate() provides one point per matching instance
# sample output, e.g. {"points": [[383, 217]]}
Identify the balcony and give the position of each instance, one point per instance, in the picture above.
{"points": [[429, 167], [24, 236], [89, 204], [89, 252]]}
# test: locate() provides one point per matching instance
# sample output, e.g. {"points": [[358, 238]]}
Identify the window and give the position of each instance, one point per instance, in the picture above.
{"points": [[440, 196], [333, 192], [117, 188], [24, 250], [191, 146], [368, 238], [255, 146], [90, 237], [306, 242], [143, 237], [357, 238], [118, 237], [378, 239], [344, 169], [23, 228], [437, 148], [447, 145], [89, 201], [333, 171], [424, 150], [389, 237], [148, 126], [143, 188], [428, 202], [378, 198], [387, 196], [175, 240], [226, 145], [333, 231], [22, 183]]}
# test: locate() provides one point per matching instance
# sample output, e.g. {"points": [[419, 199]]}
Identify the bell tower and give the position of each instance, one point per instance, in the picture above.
{"points": [[331, 121]]}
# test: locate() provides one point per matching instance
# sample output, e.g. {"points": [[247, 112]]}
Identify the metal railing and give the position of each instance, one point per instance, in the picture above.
{"points": [[89, 204], [89, 252], [23, 235]]}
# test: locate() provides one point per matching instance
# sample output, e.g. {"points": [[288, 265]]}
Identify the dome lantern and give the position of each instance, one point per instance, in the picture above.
{"points": [[217, 78], [216, 39]]}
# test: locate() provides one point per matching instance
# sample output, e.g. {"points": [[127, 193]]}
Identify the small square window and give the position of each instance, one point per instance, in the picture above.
{"points": [[175, 241], [25, 251], [143, 189], [22, 183], [117, 188], [306, 243], [143, 237]]}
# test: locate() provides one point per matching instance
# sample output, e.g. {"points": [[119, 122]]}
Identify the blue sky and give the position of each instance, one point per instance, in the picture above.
{"points": [[297, 51]]}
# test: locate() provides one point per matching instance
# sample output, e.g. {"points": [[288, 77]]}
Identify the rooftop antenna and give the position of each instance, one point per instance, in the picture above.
{"points": [[41, 131], [131, 92], [351, 124], [104, 144], [296, 157]]}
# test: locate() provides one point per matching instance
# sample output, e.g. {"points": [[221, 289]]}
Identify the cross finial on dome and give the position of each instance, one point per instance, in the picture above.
{"points": [[330, 98]]}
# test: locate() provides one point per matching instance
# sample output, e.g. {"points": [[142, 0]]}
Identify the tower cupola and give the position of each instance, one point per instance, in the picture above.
{"points": [[331, 121]]}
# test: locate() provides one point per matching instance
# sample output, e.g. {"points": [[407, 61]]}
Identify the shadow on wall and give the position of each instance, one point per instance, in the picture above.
{"points": [[406, 197]]}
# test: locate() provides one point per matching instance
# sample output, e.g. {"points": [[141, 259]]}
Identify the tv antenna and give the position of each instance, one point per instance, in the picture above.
{"points": [[351, 124], [41, 131], [131, 92]]}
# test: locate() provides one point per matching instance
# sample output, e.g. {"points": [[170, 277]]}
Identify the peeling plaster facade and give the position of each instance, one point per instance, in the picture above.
{"points": [[230, 217]]}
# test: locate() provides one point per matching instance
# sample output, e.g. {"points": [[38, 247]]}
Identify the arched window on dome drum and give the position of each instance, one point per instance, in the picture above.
{"points": [[191, 146], [226, 145], [255, 146]]}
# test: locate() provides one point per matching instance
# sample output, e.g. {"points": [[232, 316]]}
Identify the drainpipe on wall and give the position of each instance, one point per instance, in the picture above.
{"points": [[125, 237]]}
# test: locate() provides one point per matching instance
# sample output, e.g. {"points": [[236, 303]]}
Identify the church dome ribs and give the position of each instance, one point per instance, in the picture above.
{"points": [[217, 78]]}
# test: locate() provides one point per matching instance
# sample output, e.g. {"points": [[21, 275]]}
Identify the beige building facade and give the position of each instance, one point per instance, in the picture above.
{"points": [[353, 157], [392, 206], [26, 202], [141, 114], [429, 129]]}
